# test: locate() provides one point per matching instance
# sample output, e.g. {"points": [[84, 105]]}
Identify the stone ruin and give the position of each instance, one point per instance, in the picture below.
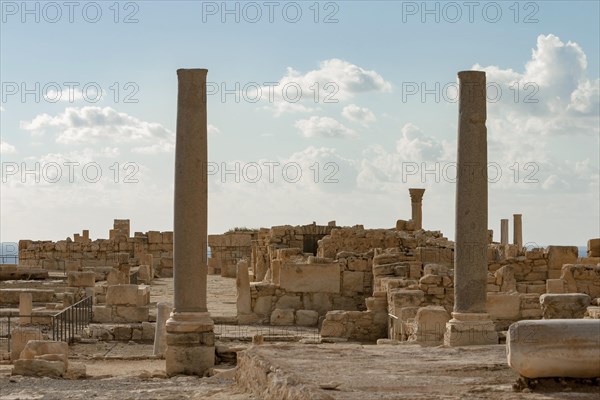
{"points": [[403, 285]]}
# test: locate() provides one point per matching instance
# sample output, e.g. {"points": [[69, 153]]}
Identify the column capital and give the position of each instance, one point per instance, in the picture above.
{"points": [[416, 194]]}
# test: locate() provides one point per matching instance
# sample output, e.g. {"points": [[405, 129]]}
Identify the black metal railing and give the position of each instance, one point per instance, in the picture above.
{"points": [[72, 320], [10, 321]]}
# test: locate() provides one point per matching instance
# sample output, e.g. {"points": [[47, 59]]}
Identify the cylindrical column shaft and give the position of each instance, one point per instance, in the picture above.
{"points": [[504, 231], [470, 262], [416, 202], [518, 230], [190, 225]]}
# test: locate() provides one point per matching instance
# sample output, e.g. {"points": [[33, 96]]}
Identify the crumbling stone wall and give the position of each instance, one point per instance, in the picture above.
{"points": [[227, 249], [81, 252], [268, 241], [300, 282]]}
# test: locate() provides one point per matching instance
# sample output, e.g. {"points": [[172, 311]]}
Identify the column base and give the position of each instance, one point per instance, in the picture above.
{"points": [[190, 343], [470, 329]]}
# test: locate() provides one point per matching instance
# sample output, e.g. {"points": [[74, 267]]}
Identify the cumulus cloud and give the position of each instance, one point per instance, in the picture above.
{"points": [[91, 125], [7, 148], [414, 153], [326, 127], [335, 81], [552, 96], [361, 115]]}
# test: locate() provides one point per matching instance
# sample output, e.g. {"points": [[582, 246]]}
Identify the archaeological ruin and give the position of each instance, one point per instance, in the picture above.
{"points": [[307, 312]]}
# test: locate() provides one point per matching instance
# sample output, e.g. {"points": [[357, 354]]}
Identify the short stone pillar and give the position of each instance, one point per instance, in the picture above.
{"points": [[518, 231], [470, 323], [190, 330], [25, 307], [416, 202], [163, 310], [504, 231], [243, 300]]}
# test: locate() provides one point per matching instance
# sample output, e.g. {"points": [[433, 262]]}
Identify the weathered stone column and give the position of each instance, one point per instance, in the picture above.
{"points": [[504, 231], [416, 202], [518, 231], [190, 336], [470, 323]]}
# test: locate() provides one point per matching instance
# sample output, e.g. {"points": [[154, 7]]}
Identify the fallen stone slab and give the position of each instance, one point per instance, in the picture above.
{"points": [[555, 348]]}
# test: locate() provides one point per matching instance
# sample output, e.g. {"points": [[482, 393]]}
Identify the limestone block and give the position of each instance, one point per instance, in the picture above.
{"points": [[289, 301], [167, 237], [435, 269], [143, 296], [555, 286], [263, 305], [145, 273], [357, 264], [81, 279], [122, 295], [116, 277], [560, 255], [102, 314], [72, 265], [130, 314], [593, 247], [332, 329], [282, 316], [35, 348], [307, 318], [353, 281], [39, 368], [310, 277], [319, 302], [564, 305], [430, 325], [431, 280], [555, 348], [148, 331], [154, 237], [503, 306], [406, 298]]}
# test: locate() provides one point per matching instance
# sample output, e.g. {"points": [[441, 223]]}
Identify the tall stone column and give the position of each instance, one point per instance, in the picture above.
{"points": [[504, 231], [470, 323], [416, 202], [518, 231], [190, 336]]}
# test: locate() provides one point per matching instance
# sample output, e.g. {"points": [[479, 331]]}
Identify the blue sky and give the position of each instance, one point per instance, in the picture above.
{"points": [[365, 135]]}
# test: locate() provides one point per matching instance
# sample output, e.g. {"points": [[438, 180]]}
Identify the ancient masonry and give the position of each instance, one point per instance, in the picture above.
{"points": [[405, 284]]}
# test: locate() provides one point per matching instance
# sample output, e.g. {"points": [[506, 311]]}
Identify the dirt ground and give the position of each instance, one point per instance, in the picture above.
{"points": [[349, 371]]}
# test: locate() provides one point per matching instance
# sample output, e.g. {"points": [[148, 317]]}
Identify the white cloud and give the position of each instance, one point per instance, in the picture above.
{"points": [[335, 81], [361, 115], [323, 127], [2, 109], [91, 125], [552, 96], [7, 148], [414, 154]]}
